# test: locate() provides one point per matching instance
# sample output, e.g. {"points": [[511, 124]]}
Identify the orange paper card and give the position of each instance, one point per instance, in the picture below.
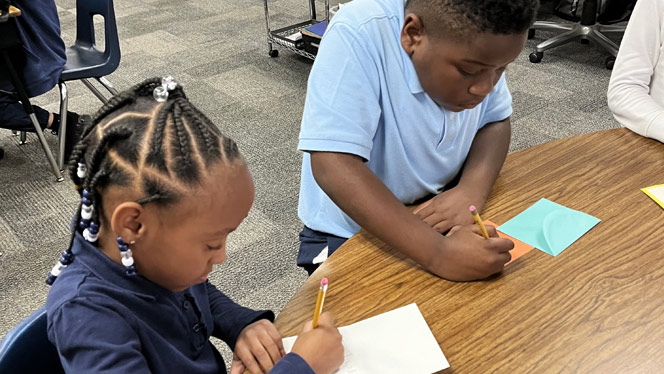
{"points": [[520, 248]]}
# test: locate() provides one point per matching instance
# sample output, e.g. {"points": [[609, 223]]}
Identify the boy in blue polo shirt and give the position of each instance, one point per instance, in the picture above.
{"points": [[404, 101]]}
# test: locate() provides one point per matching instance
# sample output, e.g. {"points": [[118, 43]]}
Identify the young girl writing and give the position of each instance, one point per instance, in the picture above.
{"points": [[161, 188]]}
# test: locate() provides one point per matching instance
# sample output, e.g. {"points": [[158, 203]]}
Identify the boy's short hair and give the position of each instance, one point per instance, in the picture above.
{"points": [[460, 18]]}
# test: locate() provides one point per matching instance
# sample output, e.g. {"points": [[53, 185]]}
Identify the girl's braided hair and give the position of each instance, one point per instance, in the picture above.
{"points": [[161, 149]]}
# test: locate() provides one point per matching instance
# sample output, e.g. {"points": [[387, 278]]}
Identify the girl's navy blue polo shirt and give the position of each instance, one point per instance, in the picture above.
{"points": [[103, 321]]}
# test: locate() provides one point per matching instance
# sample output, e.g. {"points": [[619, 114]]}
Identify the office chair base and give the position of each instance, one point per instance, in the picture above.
{"points": [[571, 32]]}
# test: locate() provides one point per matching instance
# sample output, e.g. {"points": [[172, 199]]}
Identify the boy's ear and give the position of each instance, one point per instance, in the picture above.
{"points": [[127, 221], [412, 33]]}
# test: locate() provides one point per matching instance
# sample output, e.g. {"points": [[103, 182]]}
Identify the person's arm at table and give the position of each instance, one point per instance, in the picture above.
{"points": [[462, 255], [481, 169], [629, 93]]}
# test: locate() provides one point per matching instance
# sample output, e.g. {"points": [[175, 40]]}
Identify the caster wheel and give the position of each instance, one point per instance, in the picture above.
{"points": [[273, 53], [585, 41], [536, 57], [610, 61], [531, 33]]}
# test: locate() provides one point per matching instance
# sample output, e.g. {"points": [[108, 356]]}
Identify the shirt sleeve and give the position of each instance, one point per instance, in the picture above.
{"points": [[629, 89], [230, 318], [75, 329], [498, 104], [341, 110], [292, 363]]}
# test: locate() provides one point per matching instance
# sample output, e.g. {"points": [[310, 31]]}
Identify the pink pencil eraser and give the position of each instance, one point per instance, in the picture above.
{"points": [[323, 282], [472, 209]]}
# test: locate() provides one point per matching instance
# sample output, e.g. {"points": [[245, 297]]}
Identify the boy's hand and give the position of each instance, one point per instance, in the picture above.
{"points": [[258, 348], [467, 255], [321, 347], [447, 209]]}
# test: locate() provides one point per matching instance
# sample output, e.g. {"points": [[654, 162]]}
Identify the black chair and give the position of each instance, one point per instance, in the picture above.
{"points": [[26, 348], [10, 43], [85, 60], [587, 30]]}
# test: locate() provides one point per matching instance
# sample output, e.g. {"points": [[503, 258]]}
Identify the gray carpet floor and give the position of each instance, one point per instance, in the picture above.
{"points": [[217, 50]]}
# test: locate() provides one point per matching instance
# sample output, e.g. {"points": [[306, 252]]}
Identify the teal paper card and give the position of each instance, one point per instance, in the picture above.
{"points": [[548, 226]]}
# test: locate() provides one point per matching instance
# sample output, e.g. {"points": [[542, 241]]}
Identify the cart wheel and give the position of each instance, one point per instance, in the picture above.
{"points": [[536, 57], [610, 61], [274, 53], [531, 33]]}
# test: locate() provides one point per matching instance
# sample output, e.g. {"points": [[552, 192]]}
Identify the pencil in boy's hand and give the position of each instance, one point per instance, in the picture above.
{"points": [[319, 301], [478, 220]]}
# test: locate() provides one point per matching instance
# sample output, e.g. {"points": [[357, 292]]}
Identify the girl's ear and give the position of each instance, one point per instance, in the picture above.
{"points": [[127, 221], [412, 33]]}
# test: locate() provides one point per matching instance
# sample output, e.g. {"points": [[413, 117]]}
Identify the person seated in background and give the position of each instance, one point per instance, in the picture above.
{"points": [[39, 65], [636, 89]]}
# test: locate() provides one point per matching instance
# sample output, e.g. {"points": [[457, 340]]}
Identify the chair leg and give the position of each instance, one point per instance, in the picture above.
{"points": [[604, 42], [47, 150], [104, 82], [610, 29], [23, 137], [27, 106], [94, 90], [559, 40], [62, 133]]}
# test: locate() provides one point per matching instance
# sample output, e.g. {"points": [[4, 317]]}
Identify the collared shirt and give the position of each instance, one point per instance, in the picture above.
{"points": [[102, 321], [364, 98]]}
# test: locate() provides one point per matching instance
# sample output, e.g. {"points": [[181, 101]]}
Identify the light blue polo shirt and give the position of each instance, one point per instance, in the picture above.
{"points": [[364, 98]]}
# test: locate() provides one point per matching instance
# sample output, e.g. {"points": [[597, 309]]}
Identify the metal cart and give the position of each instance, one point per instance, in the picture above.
{"points": [[281, 36]]}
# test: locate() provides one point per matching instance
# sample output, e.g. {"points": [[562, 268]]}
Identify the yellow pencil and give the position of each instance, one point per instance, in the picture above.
{"points": [[478, 220], [319, 301]]}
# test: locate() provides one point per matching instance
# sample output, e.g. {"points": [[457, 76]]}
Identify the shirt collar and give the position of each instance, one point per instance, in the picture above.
{"points": [[106, 269]]}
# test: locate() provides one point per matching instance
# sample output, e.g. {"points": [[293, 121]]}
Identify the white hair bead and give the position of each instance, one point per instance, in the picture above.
{"points": [[126, 254], [57, 269], [127, 261], [86, 212], [81, 171], [89, 236]]}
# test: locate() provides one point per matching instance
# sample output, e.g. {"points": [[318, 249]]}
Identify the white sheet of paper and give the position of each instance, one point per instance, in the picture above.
{"points": [[395, 342]]}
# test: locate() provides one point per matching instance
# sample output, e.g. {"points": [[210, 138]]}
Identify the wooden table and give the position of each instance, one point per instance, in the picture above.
{"points": [[596, 308]]}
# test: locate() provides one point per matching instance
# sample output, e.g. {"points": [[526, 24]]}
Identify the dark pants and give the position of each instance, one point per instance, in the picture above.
{"points": [[13, 117], [312, 243]]}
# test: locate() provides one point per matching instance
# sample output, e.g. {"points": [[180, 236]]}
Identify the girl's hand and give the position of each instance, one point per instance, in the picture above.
{"points": [[258, 348], [321, 347]]}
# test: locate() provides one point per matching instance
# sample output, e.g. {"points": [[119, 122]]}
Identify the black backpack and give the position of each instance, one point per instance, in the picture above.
{"points": [[610, 11]]}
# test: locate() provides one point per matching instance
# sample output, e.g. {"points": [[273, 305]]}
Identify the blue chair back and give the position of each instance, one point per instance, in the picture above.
{"points": [[26, 348], [84, 60]]}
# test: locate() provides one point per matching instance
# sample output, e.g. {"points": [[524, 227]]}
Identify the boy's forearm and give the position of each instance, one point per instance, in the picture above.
{"points": [[360, 194], [485, 159]]}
